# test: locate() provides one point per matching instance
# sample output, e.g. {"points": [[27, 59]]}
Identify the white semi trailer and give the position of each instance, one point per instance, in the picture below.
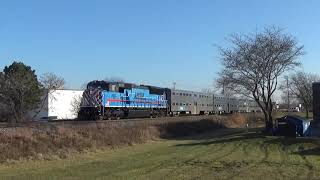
{"points": [[58, 104]]}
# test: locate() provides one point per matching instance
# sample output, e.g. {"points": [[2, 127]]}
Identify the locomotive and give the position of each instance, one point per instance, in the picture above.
{"points": [[116, 100]]}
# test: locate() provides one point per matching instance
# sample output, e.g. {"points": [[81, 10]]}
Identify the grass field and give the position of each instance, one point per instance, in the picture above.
{"points": [[223, 154]]}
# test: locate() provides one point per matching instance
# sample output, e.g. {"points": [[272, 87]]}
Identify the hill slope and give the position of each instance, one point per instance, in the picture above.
{"points": [[223, 154]]}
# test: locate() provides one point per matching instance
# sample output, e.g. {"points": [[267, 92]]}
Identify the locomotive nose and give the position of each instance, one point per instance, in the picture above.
{"points": [[92, 98]]}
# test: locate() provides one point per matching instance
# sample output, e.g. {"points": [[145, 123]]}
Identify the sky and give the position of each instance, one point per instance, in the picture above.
{"points": [[155, 42]]}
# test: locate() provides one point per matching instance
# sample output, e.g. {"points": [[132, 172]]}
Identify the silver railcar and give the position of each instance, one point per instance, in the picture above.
{"points": [[190, 102]]}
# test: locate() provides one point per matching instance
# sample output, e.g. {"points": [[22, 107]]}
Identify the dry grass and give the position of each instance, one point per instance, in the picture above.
{"points": [[241, 120], [40, 143], [48, 141]]}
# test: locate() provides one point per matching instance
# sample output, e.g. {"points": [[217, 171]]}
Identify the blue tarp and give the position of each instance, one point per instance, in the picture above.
{"points": [[292, 126]]}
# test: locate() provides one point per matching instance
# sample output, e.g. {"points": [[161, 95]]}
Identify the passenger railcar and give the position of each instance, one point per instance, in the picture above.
{"points": [[190, 102]]}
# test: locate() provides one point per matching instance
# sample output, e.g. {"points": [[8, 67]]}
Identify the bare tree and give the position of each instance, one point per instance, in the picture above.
{"points": [[254, 62], [50, 82], [75, 103], [286, 102], [300, 87]]}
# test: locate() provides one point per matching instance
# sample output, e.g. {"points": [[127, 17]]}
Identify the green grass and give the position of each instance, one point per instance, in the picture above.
{"points": [[223, 154]]}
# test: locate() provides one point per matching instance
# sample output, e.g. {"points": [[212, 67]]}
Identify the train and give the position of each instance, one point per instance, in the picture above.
{"points": [[104, 100]]}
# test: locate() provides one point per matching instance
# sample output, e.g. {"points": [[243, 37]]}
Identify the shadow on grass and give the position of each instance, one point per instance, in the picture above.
{"points": [[309, 152], [233, 136], [178, 130], [288, 141]]}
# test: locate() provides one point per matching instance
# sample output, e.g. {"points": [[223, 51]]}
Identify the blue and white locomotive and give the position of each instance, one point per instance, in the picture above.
{"points": [[115, 100]]}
